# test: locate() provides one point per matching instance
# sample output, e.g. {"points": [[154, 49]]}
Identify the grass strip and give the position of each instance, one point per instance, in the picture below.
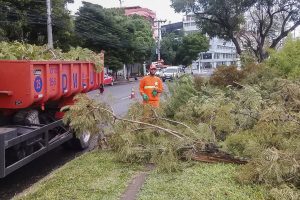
{"points": [[95, 175], [202, 181]]}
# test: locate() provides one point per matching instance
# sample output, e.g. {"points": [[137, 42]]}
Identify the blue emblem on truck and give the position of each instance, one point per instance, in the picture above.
{"points": [[38, 84]]}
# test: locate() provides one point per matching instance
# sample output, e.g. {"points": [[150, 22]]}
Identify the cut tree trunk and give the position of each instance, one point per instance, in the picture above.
{"points": [[217, 157]]}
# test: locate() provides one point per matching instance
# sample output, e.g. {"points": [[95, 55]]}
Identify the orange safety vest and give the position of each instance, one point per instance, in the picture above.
{"points": [[147, 85]]}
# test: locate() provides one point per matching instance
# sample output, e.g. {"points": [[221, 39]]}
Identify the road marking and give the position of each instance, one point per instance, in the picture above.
{"points": [[125, 98]]}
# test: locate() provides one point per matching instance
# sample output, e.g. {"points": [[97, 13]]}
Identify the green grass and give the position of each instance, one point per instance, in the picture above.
{"points": [[97, 175], [202, 181], [94, 175]]}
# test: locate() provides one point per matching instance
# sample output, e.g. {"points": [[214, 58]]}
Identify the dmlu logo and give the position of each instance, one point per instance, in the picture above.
{"points": [[64, 82], [38, 84]]}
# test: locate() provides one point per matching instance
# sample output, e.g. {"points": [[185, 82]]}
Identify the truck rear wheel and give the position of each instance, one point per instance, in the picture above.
{"points": [[80, 143], [26, 117], [84, 140]]}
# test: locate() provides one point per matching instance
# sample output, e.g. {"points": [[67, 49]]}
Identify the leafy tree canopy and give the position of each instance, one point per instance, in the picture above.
{"points": [[183, 50], [287, 60], [126, 39], [27, 21], [169, 46]]}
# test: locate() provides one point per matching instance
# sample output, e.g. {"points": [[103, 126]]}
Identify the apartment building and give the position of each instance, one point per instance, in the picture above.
{"points": [[220, 52]]}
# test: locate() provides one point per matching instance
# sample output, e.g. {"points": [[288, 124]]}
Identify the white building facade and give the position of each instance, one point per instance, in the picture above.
{"points": [[220, 52]]}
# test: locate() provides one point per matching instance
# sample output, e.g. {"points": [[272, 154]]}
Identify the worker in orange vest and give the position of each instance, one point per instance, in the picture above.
{"points": [[151, 87]]}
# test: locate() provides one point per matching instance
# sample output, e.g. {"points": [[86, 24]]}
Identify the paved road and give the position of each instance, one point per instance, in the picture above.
{"points": [[118, 96]]}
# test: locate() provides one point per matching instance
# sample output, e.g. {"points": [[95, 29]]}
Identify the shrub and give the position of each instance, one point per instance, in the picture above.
{"points": [[285, 192], [287, 60], [224, 76], [258, 74], [180, 92], [273, 167], [199, 82]]}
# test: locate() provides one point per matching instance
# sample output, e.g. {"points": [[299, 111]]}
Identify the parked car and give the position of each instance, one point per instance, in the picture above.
{"points": [[171, 73], [108, 80], [159, 72]]}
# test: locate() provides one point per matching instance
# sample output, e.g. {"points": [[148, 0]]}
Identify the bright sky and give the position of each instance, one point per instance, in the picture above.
{"points": [[162, 8]]}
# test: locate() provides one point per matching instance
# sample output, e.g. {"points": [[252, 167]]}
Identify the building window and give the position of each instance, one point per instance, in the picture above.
{"points": [[217, 56], [207, 56], [219, 64]]}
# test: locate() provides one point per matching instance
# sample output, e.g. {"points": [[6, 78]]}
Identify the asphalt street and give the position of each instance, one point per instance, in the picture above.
{"points": [[118, 96]]}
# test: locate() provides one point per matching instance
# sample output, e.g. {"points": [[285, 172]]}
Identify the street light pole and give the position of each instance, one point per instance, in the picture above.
{"points": [[159, 37], [49, 25]]}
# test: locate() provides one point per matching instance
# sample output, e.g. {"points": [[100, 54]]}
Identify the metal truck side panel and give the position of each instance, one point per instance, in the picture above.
{"points": [[24, 83], [15, 84]]}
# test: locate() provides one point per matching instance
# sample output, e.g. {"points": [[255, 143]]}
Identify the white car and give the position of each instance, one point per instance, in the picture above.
{"points": [[171, 73], [159, 72]]}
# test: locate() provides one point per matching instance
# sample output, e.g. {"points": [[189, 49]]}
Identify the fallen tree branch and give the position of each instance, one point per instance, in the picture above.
{"points": [[171, 132], [175, 122]]}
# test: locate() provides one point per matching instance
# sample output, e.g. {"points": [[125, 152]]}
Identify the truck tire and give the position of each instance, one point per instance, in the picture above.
{"points": [[79, 143], [83, 142], [26, 117]]}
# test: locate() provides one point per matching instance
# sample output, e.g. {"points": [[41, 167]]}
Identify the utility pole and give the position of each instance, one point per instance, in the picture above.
{"points": [[121, 1], [159, 37], [49, 25]]}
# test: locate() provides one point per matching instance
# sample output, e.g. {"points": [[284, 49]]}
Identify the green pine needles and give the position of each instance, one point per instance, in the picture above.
{"points": [[23, 51]]}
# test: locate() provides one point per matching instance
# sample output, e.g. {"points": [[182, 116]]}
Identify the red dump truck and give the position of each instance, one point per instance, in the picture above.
{"points": [[31, 96]]}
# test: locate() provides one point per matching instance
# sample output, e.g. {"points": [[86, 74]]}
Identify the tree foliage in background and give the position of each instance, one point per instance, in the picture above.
{"points": [[169, 47], [178, 50], [27, 21], [190, 47], [253, 24], [125, 39], [287, 59]]}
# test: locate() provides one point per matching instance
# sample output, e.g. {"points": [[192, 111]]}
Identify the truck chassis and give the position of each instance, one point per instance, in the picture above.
{"points": [[36, 137]]}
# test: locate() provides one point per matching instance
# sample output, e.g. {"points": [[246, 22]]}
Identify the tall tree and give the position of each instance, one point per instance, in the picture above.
{"points": [[125, 39], [269, 21], [178, 50], [230, 20], [27, 21], [192, 45], [142, 38], [169, 47]]}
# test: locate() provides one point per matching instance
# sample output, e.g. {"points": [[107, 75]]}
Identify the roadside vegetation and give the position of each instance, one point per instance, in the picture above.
{"points": [[200, 181], [22, 51], [251, 113], [96, 175]]}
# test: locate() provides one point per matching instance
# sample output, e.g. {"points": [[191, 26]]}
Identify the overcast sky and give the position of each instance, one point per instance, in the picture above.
{"points": [[162, 8]]}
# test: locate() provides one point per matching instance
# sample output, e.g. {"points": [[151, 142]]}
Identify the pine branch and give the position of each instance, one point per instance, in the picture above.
{"points": [[171, 132], [172, 121], [175, 122]]}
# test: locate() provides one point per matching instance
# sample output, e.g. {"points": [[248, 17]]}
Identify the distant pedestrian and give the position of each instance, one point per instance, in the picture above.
{"points": [[151, 87]]}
